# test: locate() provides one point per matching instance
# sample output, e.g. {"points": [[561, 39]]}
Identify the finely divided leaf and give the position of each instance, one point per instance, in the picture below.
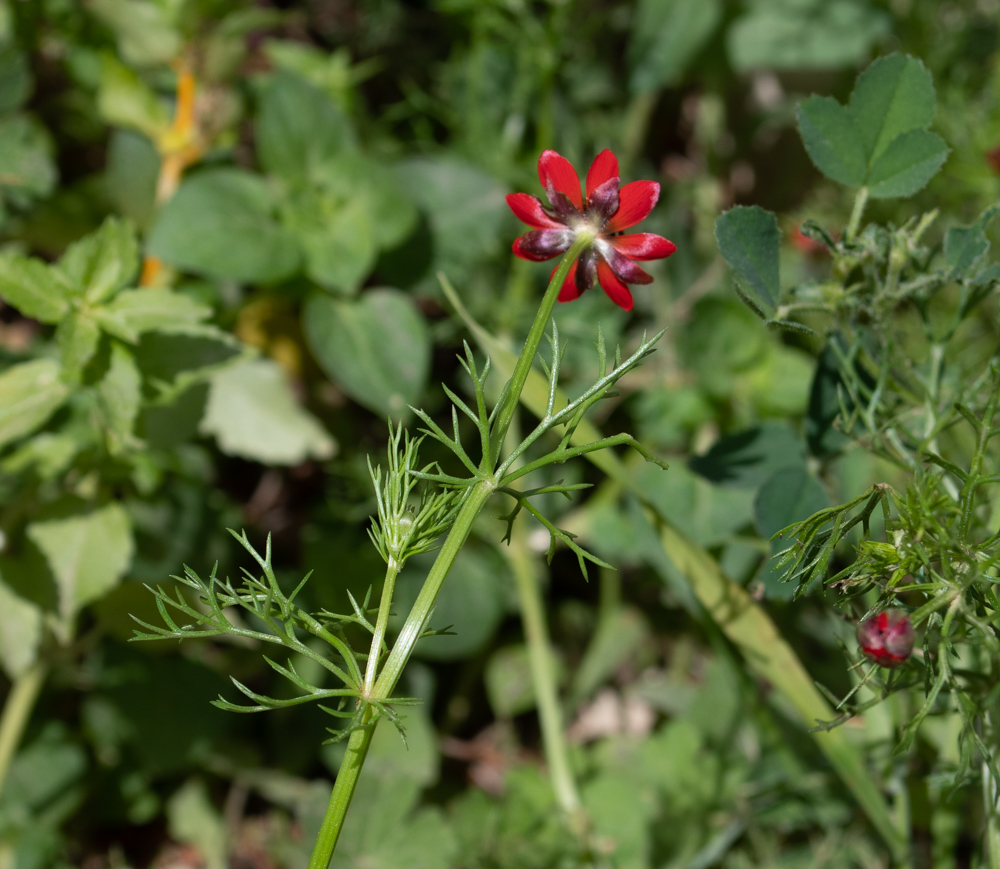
{"points": [[748, 240]]}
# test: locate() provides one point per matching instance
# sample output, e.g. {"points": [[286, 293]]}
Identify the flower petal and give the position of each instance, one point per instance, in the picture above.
{"points": [[637, 200], [616, 290], [530, 210], [622, 266], [586, 275], [558, 176], [603, 203], [569, 290], [604, 168], [642, 245], [542, 244]]}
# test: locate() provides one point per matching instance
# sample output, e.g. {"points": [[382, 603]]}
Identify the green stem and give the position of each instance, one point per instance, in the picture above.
{"points": [[416, 622], [543, 676], [16, 712], [384, 605], [860, 201], [513, 393], [343, 790], [420, 613]]}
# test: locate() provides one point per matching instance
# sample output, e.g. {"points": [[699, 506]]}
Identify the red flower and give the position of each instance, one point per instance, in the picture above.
{"points": [[607, 210], [886, 638]]}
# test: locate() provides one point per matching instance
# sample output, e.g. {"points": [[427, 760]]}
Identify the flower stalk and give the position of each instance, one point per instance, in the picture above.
{"points": [[420, 613], [512, 393]]}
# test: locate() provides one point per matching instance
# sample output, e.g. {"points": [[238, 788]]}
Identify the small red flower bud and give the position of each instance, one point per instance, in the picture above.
{"points": [[886, 638], [806, 244], [993, 158]]}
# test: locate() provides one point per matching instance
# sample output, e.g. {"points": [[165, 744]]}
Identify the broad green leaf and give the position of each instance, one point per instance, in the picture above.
{"points": [[88, 555], [376, 348], [791, 495], [136, 311], [77, 336], [708, 513], [298, 126], [15, 79], [748, 239], [621, 814], [252, 413], [221, 224], [391, 212], [130, 175], [779, 384], [666, 36], [337, 238], [125, 100], [723, 339], [120, 392], [20, 632], [465, 207], [103, 262], [332, 72], [905, 167], [750, 457], [351, 208], [893, 96], [146, 35], [27, 168], [880, 139], [805, 34], [29, 394], [48, 453], [965, 245], [831, 138], [194, 820], [166, 357], [33, 288], [41, 775]]}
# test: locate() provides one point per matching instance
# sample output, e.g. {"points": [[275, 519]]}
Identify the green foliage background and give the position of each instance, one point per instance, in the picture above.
{"points": [[341, 154]]}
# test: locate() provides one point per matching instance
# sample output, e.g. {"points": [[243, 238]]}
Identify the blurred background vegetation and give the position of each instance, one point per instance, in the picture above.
{"points": [[299, 172]]}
